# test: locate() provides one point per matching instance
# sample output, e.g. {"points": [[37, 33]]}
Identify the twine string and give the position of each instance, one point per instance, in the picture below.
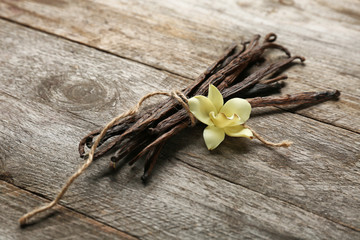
{"points": [[284, 143], [179, 96]]}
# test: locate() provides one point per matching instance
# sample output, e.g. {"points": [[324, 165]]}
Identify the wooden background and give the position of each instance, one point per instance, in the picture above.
{"points": [[68, 67]]}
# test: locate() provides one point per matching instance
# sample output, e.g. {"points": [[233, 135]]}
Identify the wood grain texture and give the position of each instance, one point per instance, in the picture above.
{"points": [[62, 224], [242, 190], [184, 37], [179, 203]]}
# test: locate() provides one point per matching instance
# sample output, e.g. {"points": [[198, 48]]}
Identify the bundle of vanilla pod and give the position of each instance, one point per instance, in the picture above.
{"points": [[243, 73]]}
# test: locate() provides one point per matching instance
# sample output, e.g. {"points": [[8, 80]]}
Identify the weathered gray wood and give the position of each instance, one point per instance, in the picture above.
{"points": [[179, 203], [184, 37], [251, 192], [317, 173], [62, 224]]}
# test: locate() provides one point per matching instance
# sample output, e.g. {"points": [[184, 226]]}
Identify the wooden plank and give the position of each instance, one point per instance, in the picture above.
{"points": [[317, 173], [62, 224], [195, 34], [180, 202], [95, 90], [185, 197]]}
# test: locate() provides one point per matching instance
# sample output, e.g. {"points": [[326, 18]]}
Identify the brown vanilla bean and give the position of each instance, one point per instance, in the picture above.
{"points": [[146, 133], [151, 160], [275, 79], [294, 99], [258, 75], [229, 54], [261, 89], [159, 140]]}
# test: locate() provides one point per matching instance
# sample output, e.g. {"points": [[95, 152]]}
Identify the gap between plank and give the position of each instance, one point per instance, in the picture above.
{"points": [[43, 197], [145, 64], [275, 198], [319, 120], [92, 47]]}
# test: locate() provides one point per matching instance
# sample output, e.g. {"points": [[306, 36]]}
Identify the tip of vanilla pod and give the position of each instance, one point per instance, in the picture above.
{"points": [[336, 93], [327, 95], [302, 59]]}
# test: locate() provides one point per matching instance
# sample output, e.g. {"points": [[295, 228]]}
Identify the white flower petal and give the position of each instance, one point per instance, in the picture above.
{"points": [[222, 121], [237, 106], [238, 131], [201, 107], [213, 136], [215, 97]]}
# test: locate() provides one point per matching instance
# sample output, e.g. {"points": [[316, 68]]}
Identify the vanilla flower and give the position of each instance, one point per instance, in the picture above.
{"points": [[228, 118]]}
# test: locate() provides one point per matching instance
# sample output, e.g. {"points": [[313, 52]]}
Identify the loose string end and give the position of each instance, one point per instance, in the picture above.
{"points": [[176, 94], [24, 219], [285, 143]]}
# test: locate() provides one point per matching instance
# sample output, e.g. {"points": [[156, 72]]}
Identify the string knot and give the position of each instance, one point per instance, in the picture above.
{"points": [[182, 99]]}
